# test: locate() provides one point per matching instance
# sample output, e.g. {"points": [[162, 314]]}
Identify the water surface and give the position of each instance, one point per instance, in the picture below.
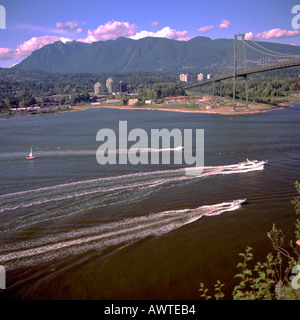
{"points": [[73, 229]]}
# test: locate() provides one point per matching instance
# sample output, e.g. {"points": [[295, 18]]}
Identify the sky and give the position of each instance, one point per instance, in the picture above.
{"points": [[27, 25]]}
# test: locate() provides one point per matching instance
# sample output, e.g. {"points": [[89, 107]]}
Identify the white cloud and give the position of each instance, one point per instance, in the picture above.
{"points": [[6, 54], [24, 49], [166, 32], [272, 34], [205, 29], [27, 47], [225, 24], [109, 31], [115, 29], [69, 25], [79, 30]]}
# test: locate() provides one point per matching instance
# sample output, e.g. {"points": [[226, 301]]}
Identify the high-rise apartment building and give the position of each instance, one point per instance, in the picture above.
{"points": [[110, 85], [182, 77], [200, 76], [97, 88], [186, 77], [122, 86]]}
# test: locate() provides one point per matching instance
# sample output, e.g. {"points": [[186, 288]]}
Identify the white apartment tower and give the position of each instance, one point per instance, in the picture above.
{"points": [[186, 77], [200, 76], [97, 88], [110, 85]]}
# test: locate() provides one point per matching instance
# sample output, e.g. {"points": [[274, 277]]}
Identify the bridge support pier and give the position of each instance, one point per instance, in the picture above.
{"points": [[213, 93], [234, 91], [246, 90], [235, 67]]}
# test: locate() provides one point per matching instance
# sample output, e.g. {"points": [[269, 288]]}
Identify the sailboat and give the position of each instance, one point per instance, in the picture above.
{"points": [[30, 156]]}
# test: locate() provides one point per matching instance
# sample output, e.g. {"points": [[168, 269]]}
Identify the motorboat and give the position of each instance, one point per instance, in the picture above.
{"points": [[30, 156], [233, 204], [238, 202], [249, 164]]}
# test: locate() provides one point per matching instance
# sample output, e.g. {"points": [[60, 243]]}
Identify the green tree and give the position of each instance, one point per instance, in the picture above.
{"points": [[67, 89], [271, 279], [124, 101]]}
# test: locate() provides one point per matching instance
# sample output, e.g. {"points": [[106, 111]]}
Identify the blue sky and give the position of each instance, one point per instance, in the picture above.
{"points": [[30, 24]]}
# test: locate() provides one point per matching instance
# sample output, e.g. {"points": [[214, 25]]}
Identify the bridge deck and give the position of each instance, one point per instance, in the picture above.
{"points": [[243, 73]]}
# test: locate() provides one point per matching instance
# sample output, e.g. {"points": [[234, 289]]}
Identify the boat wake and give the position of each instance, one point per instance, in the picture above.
{"points": [[67, 153], [42, 205], [34, 209], [110, 234]]}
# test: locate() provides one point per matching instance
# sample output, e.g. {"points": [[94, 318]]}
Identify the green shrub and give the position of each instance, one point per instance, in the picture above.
{"points": [[272, 279]]}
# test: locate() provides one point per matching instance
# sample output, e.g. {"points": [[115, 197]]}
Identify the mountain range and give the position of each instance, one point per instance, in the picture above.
{"points": [[127, 55]]}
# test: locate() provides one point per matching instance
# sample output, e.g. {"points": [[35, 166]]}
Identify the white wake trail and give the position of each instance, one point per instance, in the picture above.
{"points": [[44, 204], [118, 233]]}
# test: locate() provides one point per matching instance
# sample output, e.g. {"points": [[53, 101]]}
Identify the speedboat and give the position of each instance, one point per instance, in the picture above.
{"points": [[30, 156], [252, 164], [238, 202], [233, 204]]}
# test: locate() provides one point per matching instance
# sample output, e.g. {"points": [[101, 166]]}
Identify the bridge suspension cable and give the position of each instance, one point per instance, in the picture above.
{"points": [[267, 54], [245, 57], [289, 55]]}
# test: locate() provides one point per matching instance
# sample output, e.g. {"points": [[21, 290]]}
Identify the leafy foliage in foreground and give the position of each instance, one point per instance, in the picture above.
{"points": [[273, 278]]}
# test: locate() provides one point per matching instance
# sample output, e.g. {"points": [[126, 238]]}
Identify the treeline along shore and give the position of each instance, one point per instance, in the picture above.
{"points": [[41, 92]]}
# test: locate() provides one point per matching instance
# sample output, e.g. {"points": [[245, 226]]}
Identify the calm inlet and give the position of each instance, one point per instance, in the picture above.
{"points": [[74, 229]]}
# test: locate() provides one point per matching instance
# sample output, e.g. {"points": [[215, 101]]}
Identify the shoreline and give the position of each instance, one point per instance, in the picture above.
{"points": [[253, 109]]}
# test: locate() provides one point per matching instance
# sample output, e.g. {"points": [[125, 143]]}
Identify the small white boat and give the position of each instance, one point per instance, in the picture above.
{"points": [[30, 156], [233, 204], [252, 164], [238, 202]]}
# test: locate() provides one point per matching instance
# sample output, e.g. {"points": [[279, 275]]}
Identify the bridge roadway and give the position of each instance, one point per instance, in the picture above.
{"points": [[245, 72]]}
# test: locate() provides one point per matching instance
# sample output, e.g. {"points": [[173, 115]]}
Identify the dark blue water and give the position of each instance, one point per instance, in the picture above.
{"points": [[71, 228]]}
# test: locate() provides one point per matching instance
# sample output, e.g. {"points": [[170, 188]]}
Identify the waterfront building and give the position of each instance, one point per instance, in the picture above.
{"points": [[182, 77], [110, 85], [186, 77], [122, 86], [200, 76], [97, 88]]}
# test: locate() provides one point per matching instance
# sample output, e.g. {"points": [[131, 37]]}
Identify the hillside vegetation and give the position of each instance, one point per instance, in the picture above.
{"points": [[199, 54]]}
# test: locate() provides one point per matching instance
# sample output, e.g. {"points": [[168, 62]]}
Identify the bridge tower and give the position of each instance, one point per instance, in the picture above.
{"points": [[236, 38]]}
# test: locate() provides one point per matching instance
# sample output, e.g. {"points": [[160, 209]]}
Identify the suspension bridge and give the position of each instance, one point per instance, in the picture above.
{"points": [[249, 57]]}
